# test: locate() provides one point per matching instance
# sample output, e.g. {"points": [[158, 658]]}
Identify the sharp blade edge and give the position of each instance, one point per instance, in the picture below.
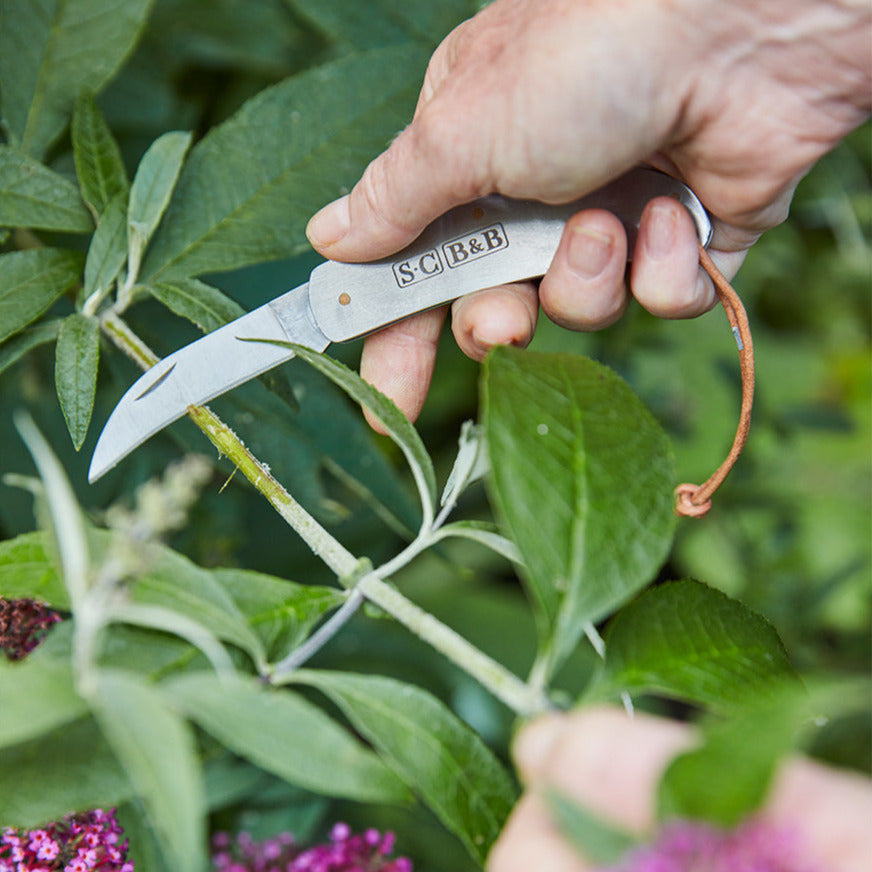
{"points": [[203, 370]]}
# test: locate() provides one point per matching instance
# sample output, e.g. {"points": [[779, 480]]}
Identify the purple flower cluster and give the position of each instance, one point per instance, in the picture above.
{"points": [[689, 846], [345, 852], [23, 624], [89, 842]]}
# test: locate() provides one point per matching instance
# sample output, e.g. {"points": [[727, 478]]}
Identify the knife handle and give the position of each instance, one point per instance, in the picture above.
{"points": [[489, 242]]}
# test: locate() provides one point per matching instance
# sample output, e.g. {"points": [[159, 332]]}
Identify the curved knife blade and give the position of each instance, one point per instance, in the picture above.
{"points": [[203, 370]]}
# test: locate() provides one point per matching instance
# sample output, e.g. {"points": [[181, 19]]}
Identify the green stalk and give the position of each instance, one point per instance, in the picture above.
{"points": [[499, 681]]}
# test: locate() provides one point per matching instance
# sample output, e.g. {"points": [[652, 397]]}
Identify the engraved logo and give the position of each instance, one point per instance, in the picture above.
{"points": [[455, 253], [416, 269], [475, 245]]}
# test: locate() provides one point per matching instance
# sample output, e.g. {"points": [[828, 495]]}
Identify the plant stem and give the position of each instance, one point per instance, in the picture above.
{"points": [[334, 554], [496, 678], [503, 684], [124, 338]]}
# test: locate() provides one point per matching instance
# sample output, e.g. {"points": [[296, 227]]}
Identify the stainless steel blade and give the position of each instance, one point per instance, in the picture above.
{"points": [[197, 373]]}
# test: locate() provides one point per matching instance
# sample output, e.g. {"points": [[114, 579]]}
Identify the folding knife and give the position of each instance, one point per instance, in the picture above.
{"points": [[491, 241]]}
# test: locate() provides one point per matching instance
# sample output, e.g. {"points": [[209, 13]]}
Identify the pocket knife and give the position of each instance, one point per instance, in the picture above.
{"points": [[482, 244]]}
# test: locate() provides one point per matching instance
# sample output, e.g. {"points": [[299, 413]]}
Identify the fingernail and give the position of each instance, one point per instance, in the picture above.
{"points": [[330, 225], [589, 252], [534, 744], [660, 233]]}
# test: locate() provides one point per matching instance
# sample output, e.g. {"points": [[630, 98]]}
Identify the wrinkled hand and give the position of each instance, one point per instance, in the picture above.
{"points": [[549, 99], [611, 764]]}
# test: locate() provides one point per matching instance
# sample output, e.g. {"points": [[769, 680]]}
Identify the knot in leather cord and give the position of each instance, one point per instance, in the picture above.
{"points": [[691, 500]]}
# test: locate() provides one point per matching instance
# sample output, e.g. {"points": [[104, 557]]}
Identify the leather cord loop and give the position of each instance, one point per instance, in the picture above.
{"points": [[694, 501]]}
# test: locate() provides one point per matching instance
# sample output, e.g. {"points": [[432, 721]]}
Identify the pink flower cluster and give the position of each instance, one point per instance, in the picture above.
{"points": [[89, 842], [345, 852], [23, 623], [689, 846]]}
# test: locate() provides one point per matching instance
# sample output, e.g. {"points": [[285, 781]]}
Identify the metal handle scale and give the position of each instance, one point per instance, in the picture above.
{"points": [[489, 242]]}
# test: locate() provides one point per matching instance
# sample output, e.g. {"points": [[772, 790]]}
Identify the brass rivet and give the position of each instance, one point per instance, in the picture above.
{"points": [[477, 213], [344, 299]]}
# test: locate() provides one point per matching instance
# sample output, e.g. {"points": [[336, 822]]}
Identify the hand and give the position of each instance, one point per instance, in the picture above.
{"points": [[611, 764], [548, 99]]}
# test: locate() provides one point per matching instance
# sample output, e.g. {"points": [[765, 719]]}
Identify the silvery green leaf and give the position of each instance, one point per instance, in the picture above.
{"points": [[280, 612], [470, 465], [153, 185], [77, 357], [40, 334], [70, 767], [108, 249], [249, 187], [32, 195], [28, 571], [169, 621], [67, 522], [30, 281], [50, 50], [25, 688], [99, 165], [203, 305], [482, 532], [157, 750], [430, 748], [397, 425], [285, 734]]}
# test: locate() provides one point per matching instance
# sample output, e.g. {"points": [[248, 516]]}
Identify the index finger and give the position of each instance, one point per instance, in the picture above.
{"points": [[426, 171]]}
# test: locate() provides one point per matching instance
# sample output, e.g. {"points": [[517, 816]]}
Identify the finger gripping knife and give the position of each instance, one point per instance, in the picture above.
{"points": [[489, 242]]}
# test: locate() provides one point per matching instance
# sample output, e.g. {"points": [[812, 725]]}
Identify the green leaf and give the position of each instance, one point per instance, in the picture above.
{"points": [[432, 750], [167, 621], [598, 841], [386, 22], [203, 305], [64, 518], [153, 185], [484, 534], [282, 613], [108, 249], [159, 755], [28, 571], [69, 769], [470, 464], [143, 850], [32, 195], [76, 359], [99, 165], [171, 581], [286, 735], [582, 478], [249, 187], [50, 50], [27, 340], [729, 776], [397, 425], [30, 281], [36, 696], [150, 654], [688, 641]]}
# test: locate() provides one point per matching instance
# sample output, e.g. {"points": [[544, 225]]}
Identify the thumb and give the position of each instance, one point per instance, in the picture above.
{"points": [[402, 191]]}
